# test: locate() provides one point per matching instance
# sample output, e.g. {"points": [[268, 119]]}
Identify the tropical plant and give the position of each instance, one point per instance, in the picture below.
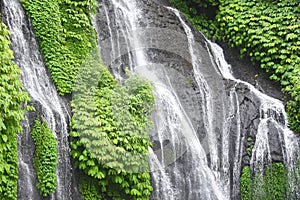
{"points": [[65, 34], [110, 124], [46, 157]]}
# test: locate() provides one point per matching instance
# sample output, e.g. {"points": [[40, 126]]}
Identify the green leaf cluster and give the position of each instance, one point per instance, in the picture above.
{"points": [[273, 184], [65, 34], [89, 188], [110, 131], [245, 183], [12, 96], [293, 112], [46, 157]]}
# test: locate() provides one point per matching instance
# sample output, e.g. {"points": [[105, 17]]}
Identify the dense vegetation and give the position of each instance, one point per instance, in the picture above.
{"points": [[267, 31], [12, 96], [273, 184], [65, 34], [45, 160], [110, 138], [110, 122]]}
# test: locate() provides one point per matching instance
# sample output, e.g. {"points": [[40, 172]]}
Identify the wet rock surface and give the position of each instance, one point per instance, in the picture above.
{"points": [[250, 72], [166, 46]]}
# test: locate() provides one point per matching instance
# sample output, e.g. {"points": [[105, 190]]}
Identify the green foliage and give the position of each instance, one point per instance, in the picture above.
{"points": [[272, 185], [65, 34], [45, 157], [110, 138], [12, 95], [293, 111], [276, 182], [245, 183], [249, 150], [250, 139], [89, 188], [250, 146]]}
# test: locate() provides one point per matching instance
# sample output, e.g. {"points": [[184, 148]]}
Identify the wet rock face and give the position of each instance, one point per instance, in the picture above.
{"points": [[248, 71], [166, 46], [250, 115], [166, 31]]}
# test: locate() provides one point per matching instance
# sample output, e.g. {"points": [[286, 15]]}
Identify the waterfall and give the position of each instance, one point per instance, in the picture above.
{"points": [[47, 102], [192, 159], [173, 125], [203, 116], [125, 20], [214, 108]]}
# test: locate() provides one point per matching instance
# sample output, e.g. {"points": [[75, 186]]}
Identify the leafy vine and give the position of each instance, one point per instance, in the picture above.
{"points": [[110, 124], [46, 157], [65, 34]]}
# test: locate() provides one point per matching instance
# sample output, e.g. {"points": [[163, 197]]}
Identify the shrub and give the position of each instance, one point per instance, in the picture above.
{"points": [[89, 188]]}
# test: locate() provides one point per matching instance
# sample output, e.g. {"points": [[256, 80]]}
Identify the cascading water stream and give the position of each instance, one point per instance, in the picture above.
{"points": [[173, 125], [270, 110], [215, 104], [44, 96], [125, 22], [272, 113]]}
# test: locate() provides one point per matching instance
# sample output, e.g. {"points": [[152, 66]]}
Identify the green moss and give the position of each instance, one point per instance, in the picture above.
{"points": [[45, 160], [12, 95], [110, 130], [65, 34]]}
